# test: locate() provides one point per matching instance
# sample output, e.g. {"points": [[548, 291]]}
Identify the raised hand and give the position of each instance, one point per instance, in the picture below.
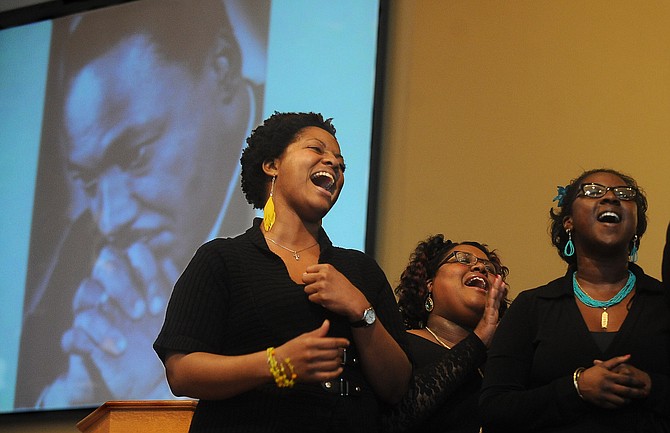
{"points": [[489, 322]]}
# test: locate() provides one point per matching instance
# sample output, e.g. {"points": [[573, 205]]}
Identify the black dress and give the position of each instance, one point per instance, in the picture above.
{"points": [[236, 297], [444, 392]]}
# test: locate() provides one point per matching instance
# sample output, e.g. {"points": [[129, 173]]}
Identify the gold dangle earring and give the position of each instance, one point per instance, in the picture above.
{"points": [[269, 209]]}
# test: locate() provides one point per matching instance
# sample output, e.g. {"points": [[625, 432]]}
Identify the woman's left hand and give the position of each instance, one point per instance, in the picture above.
{"points": [[640, 380], [328, 287], [489, 322], [613, 383]]}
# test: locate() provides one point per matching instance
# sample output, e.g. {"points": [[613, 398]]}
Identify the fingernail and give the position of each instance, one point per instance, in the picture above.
{"points": [[114, 346]]}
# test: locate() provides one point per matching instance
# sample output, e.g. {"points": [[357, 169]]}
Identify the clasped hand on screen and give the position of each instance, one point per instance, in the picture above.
{"points": [[117, 311]]}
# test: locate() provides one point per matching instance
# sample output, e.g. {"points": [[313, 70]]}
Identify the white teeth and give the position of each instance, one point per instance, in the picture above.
{"points": [[609, 216], [477, 281], [324, 173], [327, 185]]}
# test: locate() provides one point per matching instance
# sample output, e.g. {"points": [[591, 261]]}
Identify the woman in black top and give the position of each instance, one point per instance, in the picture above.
{"points": [[451, 296], [588, 351], [275, 330]]}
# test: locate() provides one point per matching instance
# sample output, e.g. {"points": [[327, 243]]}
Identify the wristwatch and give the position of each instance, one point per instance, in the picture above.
{"points": [[368, 319]]}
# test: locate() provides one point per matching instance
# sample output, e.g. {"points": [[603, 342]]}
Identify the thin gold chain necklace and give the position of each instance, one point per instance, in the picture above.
{"points": [[438, 339], [295, 253]]}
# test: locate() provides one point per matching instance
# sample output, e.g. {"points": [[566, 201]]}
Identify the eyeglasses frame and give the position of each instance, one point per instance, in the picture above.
{"points": [[488, 264], [607, 189]]}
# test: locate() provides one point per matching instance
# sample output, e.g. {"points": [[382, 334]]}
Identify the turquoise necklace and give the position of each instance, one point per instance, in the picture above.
{"points": [[590, 302]]}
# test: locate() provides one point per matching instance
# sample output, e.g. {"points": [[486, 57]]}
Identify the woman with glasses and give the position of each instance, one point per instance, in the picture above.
{"points": [[451, 296], [589, 351]]}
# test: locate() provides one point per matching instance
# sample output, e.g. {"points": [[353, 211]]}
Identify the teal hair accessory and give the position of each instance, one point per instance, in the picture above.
{"points": [[562, 191]]}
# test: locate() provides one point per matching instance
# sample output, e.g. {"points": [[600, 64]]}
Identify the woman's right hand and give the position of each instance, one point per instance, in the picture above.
{"points": [[314, 356], [489, 322]]}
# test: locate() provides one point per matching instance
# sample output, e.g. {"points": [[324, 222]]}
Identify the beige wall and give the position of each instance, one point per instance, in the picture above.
{"points": [[490, 105]]}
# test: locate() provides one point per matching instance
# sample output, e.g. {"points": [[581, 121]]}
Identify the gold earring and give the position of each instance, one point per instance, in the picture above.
{"points": [[269, 209]]}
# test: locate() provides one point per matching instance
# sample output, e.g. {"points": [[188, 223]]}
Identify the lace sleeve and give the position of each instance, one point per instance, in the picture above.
{"points": [[433, 384]]}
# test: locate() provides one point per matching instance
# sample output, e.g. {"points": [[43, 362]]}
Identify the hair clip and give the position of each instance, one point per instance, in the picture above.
{"points": [[562, 191]]}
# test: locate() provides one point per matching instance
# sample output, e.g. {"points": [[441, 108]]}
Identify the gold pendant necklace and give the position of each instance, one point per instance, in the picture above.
{"points": [[295, 253], [604, 316], [587, 300]]}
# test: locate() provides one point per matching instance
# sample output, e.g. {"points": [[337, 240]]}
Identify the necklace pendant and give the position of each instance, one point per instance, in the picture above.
{"points": [[604, 318], [296, 255]]}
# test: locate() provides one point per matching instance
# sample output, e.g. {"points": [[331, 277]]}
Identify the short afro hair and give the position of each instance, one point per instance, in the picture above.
{"points": [[268, 141]]}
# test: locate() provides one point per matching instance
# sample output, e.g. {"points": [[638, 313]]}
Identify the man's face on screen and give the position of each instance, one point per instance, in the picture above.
{"points": [[151, 148]]}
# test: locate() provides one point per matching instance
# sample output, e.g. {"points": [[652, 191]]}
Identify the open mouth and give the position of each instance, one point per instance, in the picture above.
{"points": [[324, 180], [609, 217], [478, 282]]}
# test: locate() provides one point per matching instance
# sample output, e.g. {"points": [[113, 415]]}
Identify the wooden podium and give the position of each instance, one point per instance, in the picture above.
{"points": [[140, 416]]}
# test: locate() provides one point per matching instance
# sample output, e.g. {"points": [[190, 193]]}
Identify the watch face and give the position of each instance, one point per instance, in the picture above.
{"points": [[369, 316]]}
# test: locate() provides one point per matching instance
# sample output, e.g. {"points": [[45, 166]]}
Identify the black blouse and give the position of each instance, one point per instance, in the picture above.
{"points": [[542, 339], [236, 297]]}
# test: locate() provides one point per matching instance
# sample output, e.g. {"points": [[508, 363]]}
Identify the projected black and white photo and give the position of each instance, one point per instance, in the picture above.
{"points": [[147, 113], [121, 131]]}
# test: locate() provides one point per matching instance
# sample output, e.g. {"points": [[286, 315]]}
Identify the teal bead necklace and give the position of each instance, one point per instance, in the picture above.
{"points": [[590, 302]]}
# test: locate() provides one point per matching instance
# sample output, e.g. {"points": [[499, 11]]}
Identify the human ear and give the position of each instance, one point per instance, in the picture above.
{"points": [[227, 67], [567, 223], [270, 167]]}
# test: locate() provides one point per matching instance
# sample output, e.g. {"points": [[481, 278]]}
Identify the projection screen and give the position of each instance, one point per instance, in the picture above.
{"points": [[121, 132]]}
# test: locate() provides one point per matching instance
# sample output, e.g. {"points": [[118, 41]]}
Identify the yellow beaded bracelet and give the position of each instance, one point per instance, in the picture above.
{"points": [[575, 379], [281, 371]]}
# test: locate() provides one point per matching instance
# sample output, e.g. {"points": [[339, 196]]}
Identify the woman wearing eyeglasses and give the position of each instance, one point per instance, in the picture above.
{"points": [[451, 296], [587, 352]]}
